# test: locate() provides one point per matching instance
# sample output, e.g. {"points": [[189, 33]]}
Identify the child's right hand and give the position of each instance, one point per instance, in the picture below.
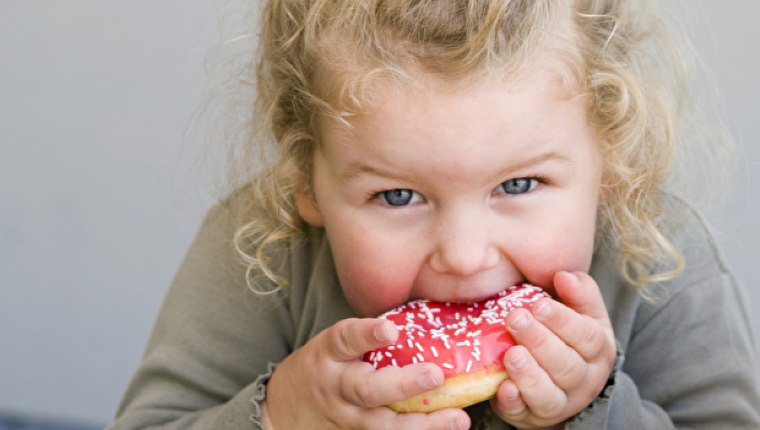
{"points": [[325, 385]]}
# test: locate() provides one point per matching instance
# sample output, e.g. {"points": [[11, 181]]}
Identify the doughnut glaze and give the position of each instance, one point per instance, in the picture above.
{"points": [[464, 339]]}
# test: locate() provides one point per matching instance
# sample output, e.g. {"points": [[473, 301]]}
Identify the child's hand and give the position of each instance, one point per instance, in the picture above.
{"points": [[324, 385], [564, 357]]}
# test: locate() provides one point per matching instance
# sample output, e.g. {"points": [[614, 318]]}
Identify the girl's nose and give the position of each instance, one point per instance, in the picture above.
{"points": [[464, 246]]}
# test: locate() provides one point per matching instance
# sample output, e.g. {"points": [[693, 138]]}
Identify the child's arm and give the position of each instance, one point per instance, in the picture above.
{"points": [[324, 385], [212, 340], [564, 357]]}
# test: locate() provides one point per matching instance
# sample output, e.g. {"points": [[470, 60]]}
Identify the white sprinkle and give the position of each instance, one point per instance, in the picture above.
{"points": [[417, 344], [393, 362], [469, 366], [447, 365], [420, 357], [435, 352]]}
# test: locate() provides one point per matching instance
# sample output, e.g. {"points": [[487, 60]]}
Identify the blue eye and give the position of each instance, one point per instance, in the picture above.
{"points": [[518, 185], [397, 197]]}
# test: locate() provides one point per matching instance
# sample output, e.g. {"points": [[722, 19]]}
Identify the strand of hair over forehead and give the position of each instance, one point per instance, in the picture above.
{"points": [[441, 35]]}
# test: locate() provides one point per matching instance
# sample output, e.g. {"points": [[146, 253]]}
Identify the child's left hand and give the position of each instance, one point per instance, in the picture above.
{"points": [[563, 359]]}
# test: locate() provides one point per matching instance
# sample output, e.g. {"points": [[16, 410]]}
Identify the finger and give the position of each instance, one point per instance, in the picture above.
{"points": [[537, 390], [580, 292], [447, 419], [566, 367], [364, 386], [589, 337], [508, 404], [350, 338]]}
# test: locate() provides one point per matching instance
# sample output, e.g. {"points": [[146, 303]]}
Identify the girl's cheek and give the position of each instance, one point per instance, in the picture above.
{"points": [[372, 303], [374, 288], [546, 258]]}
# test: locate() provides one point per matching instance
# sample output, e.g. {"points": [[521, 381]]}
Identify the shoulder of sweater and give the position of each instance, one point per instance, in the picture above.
{"points": [[692, 237], [705, 272]]}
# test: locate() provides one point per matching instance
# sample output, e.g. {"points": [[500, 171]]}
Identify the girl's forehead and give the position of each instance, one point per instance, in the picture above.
{"points": [[354, 96], [400, 112]]}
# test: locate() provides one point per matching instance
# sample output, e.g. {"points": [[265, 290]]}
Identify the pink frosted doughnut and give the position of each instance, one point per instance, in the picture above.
{"points": [[467, 340]]}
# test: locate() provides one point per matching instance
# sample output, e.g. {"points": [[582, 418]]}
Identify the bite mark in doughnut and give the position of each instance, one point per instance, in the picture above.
{"points": [[466, 340]]}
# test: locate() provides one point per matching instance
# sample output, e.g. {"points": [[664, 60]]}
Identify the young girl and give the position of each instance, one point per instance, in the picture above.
{"points": [[447, 150]]}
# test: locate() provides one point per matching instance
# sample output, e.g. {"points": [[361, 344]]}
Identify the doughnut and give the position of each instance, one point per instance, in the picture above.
{"points": [[466, 340]]}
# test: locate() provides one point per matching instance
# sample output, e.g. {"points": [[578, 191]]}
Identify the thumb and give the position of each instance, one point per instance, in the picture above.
{"points": [[350, 338], [579, 291]]}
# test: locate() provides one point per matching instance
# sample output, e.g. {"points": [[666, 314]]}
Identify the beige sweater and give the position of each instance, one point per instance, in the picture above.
{"points": [[685, 361]]}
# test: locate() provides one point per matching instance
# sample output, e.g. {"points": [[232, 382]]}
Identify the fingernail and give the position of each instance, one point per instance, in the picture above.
{"points": [[456, 424], [573, 276], [512, 393], [428, 380], [518, 361], [383, 333], [542, 309], [519, 323]]}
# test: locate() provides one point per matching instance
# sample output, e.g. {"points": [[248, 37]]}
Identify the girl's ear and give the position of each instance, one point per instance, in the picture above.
{"points": [[308, 209]]}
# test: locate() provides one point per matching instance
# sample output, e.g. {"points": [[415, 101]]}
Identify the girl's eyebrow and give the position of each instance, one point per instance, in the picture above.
{"points": [[537, 159], [359, 168]]}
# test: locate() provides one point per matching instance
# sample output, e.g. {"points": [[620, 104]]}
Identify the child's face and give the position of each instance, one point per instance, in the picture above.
{"points": [[456, 194]]}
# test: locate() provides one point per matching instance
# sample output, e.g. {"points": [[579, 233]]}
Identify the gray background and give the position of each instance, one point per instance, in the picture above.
{"points": [[100, 197]]}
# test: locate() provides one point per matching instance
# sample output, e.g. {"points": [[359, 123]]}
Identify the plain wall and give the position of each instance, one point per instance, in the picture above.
{"points": [[99, 198]]}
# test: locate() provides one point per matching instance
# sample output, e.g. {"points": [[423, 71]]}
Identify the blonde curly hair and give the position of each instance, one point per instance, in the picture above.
{"points": [[614, 50]]}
